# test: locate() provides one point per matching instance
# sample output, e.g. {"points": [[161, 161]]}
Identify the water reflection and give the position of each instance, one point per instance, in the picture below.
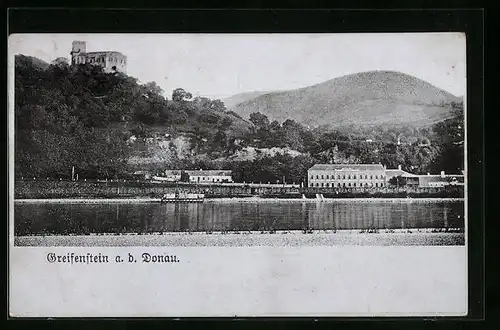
{"points": [[211, 216]]}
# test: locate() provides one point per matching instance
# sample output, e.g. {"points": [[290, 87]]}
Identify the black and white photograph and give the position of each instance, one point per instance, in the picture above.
{"points": [[238, 174], [160, 140]]}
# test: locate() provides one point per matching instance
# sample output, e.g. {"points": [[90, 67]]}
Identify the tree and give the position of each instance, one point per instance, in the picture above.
{"points": [[209, 117], [220, 139], [140, 130], [218, 105], [397, 181], [62, 120], [232, 113], [184, 176], [291, 135], [180, 118], [259, 120], [173, 154], [152, 89], [179, 95], [225, 123], [60, 62]]}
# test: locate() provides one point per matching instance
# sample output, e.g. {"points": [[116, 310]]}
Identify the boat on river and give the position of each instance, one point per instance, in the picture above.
{"points": [[183, 198]]}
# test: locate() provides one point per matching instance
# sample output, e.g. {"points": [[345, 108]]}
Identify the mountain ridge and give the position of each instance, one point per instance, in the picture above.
{"points": [[363, 98], [235, 99]]}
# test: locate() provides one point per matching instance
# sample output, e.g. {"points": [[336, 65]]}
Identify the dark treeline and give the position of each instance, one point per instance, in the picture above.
{"points": [[80, 116], [418, 150]]}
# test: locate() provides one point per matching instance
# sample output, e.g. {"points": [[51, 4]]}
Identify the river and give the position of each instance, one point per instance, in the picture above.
{"points": [[112, 218]]}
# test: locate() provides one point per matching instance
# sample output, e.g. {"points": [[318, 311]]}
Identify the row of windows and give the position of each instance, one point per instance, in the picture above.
{"points": [[115, 60], [343, 185], [80, 60], [103, 60], [96, 60], [344, 177], [208, 179]]}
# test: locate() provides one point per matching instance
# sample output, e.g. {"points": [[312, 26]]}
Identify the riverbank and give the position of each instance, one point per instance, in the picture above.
{"points": [[46, 189], [400, 237], [232, 200]]}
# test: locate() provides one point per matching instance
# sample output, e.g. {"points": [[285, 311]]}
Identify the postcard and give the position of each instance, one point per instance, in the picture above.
{"points": [[179, 175]]}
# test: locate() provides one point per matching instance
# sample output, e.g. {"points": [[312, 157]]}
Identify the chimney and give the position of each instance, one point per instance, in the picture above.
{"points": [[442, 174], [399, 167]]}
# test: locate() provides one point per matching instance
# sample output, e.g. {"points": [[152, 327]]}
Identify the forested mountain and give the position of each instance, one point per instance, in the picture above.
{"points": [[30, 62], [81, 116], [109, 125], [363, 99]]}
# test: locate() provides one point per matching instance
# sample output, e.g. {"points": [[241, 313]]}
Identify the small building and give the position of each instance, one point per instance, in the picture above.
{"points": [[209, 176], [198, 176], [408, 178], [142, 175], [172, 175], [411, 180], [347, 175], [440, 180]]}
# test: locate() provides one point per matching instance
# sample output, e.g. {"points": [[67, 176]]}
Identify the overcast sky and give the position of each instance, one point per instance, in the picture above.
{"points": [[221, 65]]}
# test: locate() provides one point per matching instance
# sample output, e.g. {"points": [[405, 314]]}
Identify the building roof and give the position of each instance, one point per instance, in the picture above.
{"points": [[362, 167], [199, 172], [173, 172], [439, 175], [141, 172], [103, 52], [209, 172], [397, 172], [439, 178]]}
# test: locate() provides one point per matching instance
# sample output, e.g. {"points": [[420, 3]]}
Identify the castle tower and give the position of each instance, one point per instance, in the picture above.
{"points": [[77, 48]]}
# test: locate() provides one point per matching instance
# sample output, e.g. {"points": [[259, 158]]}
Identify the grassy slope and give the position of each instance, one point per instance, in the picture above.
{"points": [[367, 98], [232, 101]]}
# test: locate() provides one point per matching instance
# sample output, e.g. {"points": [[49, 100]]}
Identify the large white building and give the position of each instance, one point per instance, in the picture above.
{"points": [[373, 175], [347, 175]]}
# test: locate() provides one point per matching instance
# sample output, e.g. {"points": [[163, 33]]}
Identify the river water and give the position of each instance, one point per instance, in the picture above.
{"points": [[84, 219]]}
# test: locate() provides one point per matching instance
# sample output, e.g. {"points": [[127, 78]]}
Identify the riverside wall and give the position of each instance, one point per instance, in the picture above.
{"points": [[30, 189]]}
